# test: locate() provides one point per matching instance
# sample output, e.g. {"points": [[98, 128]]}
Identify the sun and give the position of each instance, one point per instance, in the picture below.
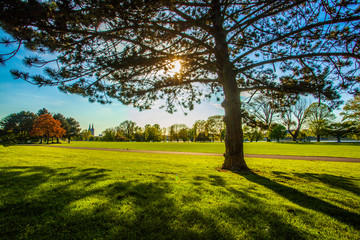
{"points": [[176, 67]]}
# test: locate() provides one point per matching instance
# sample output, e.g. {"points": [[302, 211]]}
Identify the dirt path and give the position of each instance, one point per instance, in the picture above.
{"points": [[330, 159]]}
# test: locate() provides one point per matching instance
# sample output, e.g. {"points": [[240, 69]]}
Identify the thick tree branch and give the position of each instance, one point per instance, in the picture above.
{"points": [[309, 55], [305, 28]]}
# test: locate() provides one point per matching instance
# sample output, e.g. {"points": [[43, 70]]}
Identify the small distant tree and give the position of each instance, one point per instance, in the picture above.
{"points": [[192, 134], [223, 135], [108, 135], [71, 126], [183, 134], [152, 133], [202, 137], [262, 108], [139, 134], [351, 115], [174, 131], [252, 133], [277, 131], [120, 135], [64, 124], [200, 128], [18, 126], [163, 134], [319, 117], [215, 125], [46, 126], [340, 130], [7, 138], [294, 116], [351, 110], [86, 135], [127, 128], [74, 128]]}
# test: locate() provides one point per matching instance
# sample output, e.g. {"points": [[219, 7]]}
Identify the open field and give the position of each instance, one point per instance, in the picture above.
{"points": [[349, 150], [54, 193]]}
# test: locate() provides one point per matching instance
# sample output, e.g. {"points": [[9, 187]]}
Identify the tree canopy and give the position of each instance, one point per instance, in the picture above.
{"points": [[277, 131], [46, 126], [20, 124], [351, 110], [319, 118], [19, 127], [295, 116], [127, 50], [351, 114]]}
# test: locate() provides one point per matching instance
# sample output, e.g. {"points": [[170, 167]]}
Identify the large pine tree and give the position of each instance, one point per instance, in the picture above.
{"points": [[125, 50]]}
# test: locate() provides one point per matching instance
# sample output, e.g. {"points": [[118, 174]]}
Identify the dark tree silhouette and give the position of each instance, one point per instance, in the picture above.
{"points": [[277, 131], [64, 124], [19, 124], [319, 117], [73, 128], [125, 50], [294, 116], [340, 130]]}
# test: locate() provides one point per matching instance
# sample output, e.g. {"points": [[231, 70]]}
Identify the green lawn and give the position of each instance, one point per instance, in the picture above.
{"points": [[53, 193], [349, 150]]}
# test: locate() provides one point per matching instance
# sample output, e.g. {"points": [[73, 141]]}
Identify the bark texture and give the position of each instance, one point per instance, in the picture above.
{"points": [[234, 153]]}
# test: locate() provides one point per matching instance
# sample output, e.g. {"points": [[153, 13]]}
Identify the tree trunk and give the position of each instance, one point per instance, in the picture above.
{"points": [[296, 133], [69, 139], [318, 138], [234, 152]]}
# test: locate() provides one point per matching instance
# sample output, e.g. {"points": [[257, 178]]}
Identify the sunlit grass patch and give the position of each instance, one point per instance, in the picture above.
{"points": [[349, 150], [52, 193]]}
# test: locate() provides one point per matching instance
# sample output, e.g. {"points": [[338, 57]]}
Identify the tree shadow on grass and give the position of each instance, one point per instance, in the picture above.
{"points": [[73, 203], [338, 182], [323, 143], [217, 180], [50, 203], [262, 220], [305, 201], [155, 215], [248, 213]]}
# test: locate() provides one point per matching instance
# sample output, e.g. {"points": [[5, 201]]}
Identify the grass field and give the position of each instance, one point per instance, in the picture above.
{"points": [[349, 150], [53, 193]]}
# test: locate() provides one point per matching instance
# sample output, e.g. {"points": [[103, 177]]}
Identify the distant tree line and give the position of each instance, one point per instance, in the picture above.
{"points": [[212, 129], [265, 118], [27, 127], [268, 118]]}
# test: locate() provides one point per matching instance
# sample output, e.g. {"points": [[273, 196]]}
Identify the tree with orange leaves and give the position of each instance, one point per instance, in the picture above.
{"points": [[47, 126]]}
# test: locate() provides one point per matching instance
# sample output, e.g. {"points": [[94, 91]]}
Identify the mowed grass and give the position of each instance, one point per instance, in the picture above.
{"points": [[54, 193], [348, 150]]}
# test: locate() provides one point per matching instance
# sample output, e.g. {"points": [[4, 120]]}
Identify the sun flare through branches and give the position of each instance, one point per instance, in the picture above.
{"points": [[175, 67]]}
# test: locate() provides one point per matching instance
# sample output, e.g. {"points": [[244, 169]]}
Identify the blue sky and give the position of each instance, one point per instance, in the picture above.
{"points": [[18, 95]]}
